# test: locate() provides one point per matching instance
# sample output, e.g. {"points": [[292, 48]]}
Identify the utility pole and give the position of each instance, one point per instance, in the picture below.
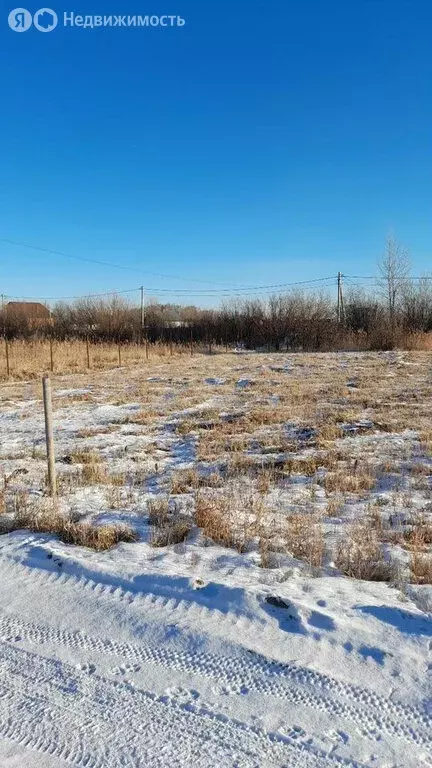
{"points": [[47, 398], [340, 301], [142, 312], [143, 323]]}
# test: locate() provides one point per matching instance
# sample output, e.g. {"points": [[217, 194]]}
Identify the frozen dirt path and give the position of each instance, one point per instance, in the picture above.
{"points": [[95, 675]]}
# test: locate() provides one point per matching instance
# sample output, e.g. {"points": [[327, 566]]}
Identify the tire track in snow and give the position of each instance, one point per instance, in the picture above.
{"points": [[297, 685], [91, 722]]}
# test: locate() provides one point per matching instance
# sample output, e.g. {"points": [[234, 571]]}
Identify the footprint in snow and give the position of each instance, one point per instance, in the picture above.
{"points": [[295, 732], [89, 668], [182, 695], [198, 584], [340, 736], [124, 669]]}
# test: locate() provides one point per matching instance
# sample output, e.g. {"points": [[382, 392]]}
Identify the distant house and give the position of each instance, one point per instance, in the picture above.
{"points": [[33, 313], [177, 324]]}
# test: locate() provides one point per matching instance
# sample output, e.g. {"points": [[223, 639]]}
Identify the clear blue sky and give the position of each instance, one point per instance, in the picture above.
{"points": [[263, 142]]}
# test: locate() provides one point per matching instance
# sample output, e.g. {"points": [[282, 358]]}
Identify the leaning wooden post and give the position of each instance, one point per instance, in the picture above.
{"points": [[47, 399], [7, 356]]}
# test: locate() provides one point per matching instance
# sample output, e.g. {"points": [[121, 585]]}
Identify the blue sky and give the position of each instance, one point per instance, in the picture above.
{"points": [[263, 142]]}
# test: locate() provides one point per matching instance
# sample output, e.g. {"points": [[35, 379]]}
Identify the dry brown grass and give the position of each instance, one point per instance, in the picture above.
{"points": [[307, 465], [252, 421], [265, 480], [92, 471], [168, 525], [232, 517], [239, 464], [335, 506], [188, 480], [93, 474], [212, 515], [420, 568], [30, 359], [361, 556], [304, 538], [84, 457], [98, 537], [158, 511], [327, 435], [114, 497], [266, 551], [173, 532], [347, 481]]}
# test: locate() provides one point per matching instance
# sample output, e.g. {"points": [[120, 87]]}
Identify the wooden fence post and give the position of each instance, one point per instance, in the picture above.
{"points": [[88, 352], [47, 399], [7, 356], [191, 343], [119, 355]]}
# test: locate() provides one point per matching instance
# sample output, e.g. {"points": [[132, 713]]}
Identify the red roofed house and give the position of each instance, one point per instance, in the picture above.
{"points": [[33, 313]]}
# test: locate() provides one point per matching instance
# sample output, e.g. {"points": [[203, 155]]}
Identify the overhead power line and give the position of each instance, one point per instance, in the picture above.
{"points": [[180, 292], [382, 277], [232, 289], [123, 267]]}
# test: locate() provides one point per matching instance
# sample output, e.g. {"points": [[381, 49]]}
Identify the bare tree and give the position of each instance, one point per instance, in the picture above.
{"points": [[416, 305], [394, 268]]}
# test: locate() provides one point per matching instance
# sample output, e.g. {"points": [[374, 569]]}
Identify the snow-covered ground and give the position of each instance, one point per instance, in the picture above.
{"points": [[194, 654]]}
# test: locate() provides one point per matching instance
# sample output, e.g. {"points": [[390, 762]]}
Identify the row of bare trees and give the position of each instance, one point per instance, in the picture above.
{"points": [[381, 317]]}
